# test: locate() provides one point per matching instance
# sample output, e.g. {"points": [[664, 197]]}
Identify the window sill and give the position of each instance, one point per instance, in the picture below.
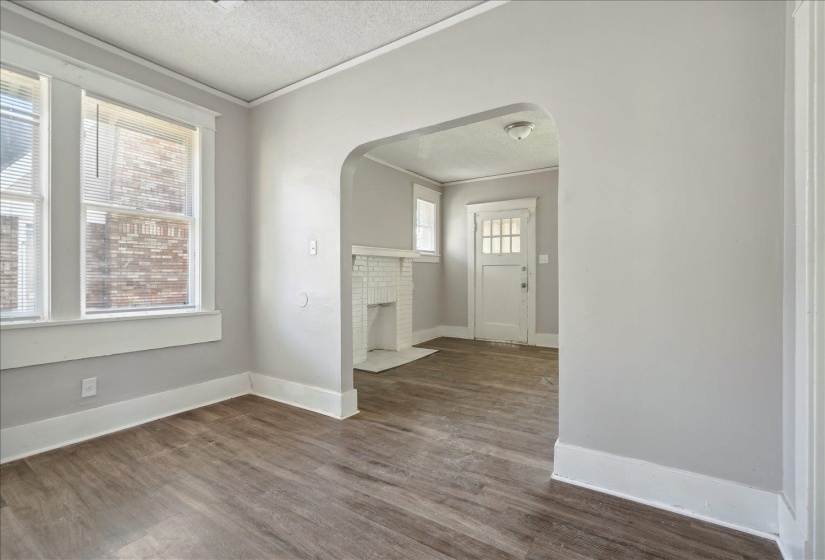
{"points": [[45, 342], [428, 258]]}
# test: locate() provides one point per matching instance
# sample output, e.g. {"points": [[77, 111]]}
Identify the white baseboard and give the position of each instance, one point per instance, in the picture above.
{"points": [[419, 337], [422, 336], [791, 541], [710, 499], [455, 332], [330, 403], [547, 340], [21, 441]]}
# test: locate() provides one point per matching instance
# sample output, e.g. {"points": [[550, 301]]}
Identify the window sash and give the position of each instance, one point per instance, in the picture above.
{"points": [[426, 222], [167, 130], [31, 267]]}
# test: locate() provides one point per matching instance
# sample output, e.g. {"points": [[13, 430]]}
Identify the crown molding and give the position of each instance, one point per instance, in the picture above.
{"points": [[502, 176], [435, 28], [462, 181], [63, 28], [401, 169]]}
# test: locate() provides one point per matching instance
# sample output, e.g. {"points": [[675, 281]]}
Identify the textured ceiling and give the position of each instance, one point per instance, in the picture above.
{"points": [[258, 48], [477, 150]]}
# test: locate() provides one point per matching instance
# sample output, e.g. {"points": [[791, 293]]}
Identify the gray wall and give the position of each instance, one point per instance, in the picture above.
{"points": [[40, 392], [382, 209], [670, 213], [456, 197]]}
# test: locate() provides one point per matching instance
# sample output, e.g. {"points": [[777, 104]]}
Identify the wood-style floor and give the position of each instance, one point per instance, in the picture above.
{"points": [[450, 457]]}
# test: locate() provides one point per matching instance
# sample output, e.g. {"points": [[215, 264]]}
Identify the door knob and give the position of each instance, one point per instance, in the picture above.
{"points": [[524, 284]]}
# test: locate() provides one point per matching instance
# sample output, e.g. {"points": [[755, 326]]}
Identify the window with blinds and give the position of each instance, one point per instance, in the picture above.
{"points": [[139, 186], [23, 141]]}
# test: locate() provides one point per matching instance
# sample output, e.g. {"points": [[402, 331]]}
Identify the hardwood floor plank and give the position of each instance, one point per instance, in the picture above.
{"points": [[450, 457]]}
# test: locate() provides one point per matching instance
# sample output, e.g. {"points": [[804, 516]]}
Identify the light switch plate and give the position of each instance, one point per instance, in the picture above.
{"points": [[544, 259], [313, 247], [88, 387]]}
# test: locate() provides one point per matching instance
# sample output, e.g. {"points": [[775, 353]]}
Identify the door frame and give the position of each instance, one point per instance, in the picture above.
{"points": [[528, 204]]}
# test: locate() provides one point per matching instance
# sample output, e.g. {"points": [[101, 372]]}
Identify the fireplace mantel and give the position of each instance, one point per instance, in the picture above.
{"points": [[384, 252]]}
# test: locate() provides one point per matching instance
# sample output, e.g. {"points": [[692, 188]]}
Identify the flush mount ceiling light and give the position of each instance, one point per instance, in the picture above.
{"points": [[227, 5], [519, 130]]}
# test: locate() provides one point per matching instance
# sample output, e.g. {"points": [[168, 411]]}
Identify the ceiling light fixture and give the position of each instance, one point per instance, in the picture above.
{"points": [[519, 130], [227, 6]]}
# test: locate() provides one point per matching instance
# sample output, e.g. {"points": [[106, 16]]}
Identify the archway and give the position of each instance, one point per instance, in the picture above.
{"points": [[347, 182]]}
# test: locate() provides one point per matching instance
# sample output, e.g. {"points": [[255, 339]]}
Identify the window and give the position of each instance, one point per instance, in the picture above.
{"points": [[139, 205], [107, 229], [426, 220], [501, 236], [24, 135]]}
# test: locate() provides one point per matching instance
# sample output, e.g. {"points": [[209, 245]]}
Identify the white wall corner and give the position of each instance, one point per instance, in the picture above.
{"points": [[791, 540], [419, 337], [547, 340], [29, 439], [315, 399], [455, 332], [710, 499]]}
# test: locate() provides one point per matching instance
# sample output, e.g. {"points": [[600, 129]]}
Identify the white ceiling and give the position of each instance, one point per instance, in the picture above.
{"points": [[260, 47], [477, 150]]}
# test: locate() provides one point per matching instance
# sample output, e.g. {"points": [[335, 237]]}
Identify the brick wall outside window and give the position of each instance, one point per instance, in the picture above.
{"points": [[8, 263], [139, 261]]}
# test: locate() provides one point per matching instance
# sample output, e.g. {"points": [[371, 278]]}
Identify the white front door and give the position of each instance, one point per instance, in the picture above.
{"points": [[501, 275]]}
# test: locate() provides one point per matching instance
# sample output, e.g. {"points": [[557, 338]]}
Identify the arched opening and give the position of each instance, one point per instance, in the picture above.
{"points": [[454, 248]]}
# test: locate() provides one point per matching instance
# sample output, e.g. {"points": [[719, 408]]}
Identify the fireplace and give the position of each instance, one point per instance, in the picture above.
{"points": [[382, 292]]}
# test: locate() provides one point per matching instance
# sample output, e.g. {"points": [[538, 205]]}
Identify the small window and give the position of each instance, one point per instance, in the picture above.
{"points": [[139, 199], [501, 236], [426, 220], [23, 180]]}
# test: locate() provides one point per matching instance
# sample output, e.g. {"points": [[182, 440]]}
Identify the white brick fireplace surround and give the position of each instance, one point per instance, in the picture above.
{"points": [[381, 284]]}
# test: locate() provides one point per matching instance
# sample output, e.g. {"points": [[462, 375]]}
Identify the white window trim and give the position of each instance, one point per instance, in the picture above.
{"points": [[433, 196], [64, 333]]}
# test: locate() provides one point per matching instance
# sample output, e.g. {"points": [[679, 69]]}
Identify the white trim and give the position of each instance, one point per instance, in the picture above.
{"points": [[710, 499], [530, 205], [420, 192], [419, 337], [517, 204], [46, 342], [384, 252], [547, 340], [323, 401], [401, 169], [428, 259], [462, 181], [791, 541], [22, 441], [31, 56], [34, 16], [449, 22], [500, 176], [456, 332]]}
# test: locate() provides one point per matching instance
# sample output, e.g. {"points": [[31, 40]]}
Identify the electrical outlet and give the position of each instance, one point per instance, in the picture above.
{"points": [[544, 259], [88, 387]]}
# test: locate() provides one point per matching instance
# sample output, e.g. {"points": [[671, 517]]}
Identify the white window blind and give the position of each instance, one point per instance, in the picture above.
{"points": [[139, 185], [22, 194], [425, 226]]}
